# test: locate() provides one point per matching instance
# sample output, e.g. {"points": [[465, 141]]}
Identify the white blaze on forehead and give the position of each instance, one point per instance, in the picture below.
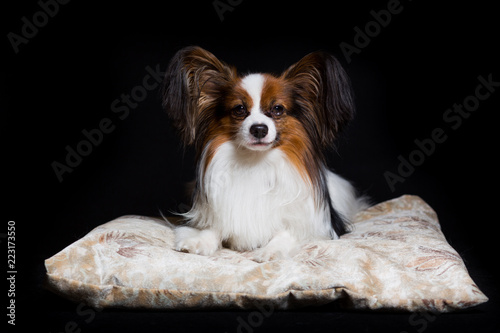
{"points": [[253, 84]]}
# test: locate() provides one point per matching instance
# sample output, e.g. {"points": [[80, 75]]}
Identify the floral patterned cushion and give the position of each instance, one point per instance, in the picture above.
{"points": [[395, 259]]}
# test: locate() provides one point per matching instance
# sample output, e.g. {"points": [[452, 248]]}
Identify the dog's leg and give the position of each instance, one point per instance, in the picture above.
{"points": [[282, 245], [191, 240]]}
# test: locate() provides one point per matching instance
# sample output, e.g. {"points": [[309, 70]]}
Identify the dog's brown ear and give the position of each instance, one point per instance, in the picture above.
{"points": [[323, 95], [193, 83]]}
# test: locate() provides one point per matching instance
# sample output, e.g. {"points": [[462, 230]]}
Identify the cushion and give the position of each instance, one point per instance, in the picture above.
{"points": [[396, 258]]}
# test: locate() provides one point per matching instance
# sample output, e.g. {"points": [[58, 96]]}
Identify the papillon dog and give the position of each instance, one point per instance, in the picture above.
{"points": [[262, 184]]}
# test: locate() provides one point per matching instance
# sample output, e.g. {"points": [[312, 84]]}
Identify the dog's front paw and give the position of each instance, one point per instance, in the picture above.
{"points": [[266, 254], [282, 246], [191, 240]]}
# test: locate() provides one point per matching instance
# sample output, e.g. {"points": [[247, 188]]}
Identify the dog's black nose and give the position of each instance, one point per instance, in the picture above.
{"points": [[259, 131]]}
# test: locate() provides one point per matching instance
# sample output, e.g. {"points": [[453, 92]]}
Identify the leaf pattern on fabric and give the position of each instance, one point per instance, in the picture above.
{"points": [[128, 243], [436, 260], [316, 256]]}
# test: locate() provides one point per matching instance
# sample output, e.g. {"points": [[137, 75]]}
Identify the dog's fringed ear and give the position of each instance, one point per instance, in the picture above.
{"points": [[323, 94], [194, 81]]}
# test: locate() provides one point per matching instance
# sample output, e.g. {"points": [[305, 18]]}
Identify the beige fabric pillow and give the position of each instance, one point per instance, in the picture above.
{"points": [[396, 258]]}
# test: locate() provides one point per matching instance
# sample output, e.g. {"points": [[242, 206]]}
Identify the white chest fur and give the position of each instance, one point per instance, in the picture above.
{"points": [[247, 197]]}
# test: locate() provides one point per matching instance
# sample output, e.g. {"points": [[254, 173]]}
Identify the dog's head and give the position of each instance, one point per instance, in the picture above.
{"points": [[209, 102]]}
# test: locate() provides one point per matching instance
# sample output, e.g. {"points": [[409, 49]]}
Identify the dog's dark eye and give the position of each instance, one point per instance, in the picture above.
{"points": [[277, 110], [239, 111]]}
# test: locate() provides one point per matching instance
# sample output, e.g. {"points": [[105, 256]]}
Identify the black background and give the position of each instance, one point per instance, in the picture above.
{"points": [[65, 79]]}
